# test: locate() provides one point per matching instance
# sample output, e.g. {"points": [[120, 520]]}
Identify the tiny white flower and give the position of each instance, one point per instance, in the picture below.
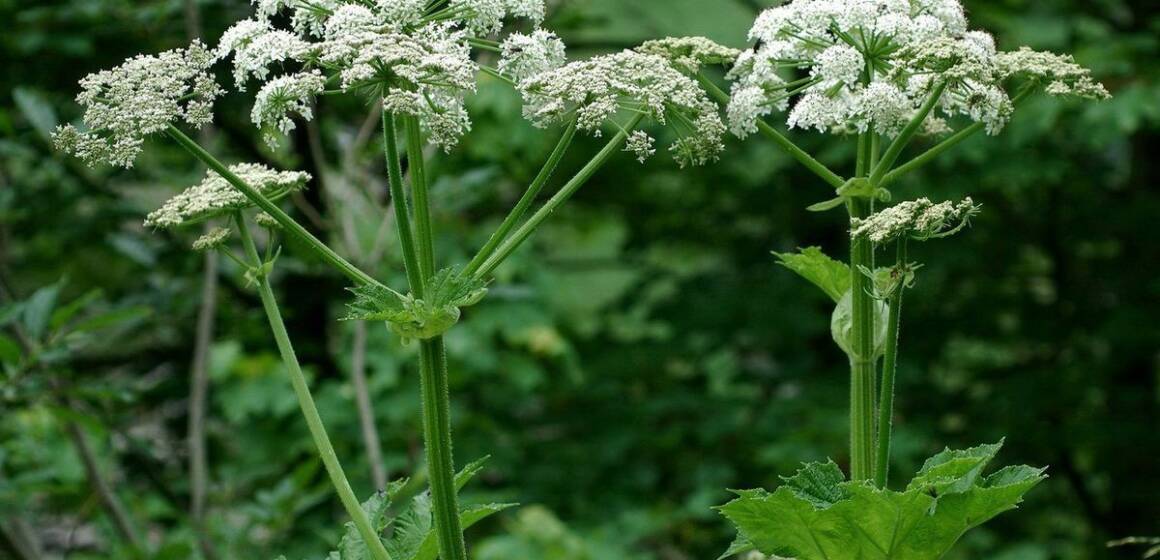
{"points": [[641, 144], [215, 196], [523, 56], [256, 45], [688, 54], [283, 97], [839, 64]]}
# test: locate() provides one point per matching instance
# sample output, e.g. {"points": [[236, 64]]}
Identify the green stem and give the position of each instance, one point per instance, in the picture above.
{"points": [[525, 231], [906, 135], [524, 203], [402, 208], [778, 138], [862, 360], [306, 403], [433, 377], [437, 440], [950, 142], [288, 224], [889, 367], [418, 169]]}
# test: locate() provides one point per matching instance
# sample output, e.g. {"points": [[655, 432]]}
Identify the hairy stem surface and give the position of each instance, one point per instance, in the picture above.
{"points": [[306, 404], [889, 367], [862, 359], [437, 438], [432, 358]]}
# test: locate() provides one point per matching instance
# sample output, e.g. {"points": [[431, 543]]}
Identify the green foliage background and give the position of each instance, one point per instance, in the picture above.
{"points": [[641, 357]]}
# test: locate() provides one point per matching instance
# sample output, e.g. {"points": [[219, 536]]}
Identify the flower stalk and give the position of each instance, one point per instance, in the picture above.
{"points": [[306, 400], [890, 367]]}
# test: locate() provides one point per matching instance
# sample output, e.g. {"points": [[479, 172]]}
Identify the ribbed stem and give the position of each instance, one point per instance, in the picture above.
{"points": [[306, 404], [862, 361], [437, 439], [402, 207], [889, 367], [524, 203], [424, 236], [525, 231]]}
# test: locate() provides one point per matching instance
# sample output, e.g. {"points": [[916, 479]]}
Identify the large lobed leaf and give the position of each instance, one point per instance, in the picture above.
{"points": [[818, 515]]}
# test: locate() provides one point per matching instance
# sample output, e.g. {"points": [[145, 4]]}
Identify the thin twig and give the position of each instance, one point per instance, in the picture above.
{"points": [[199, 388], [104, 491]]}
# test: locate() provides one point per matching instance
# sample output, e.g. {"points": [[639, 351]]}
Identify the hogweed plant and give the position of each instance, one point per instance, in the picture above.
{"points": [[419, 60], [879, 73]]}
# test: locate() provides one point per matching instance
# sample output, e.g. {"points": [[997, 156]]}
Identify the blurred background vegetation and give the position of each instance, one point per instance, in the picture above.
{"points": [[643, 355]]}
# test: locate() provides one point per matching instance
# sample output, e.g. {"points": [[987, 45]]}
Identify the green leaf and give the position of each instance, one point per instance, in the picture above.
{"points": [[410, 317], [38, 310], [37, 110], [818, 484], [817, 515], [833, 277], [10, 352], [412, 527]]}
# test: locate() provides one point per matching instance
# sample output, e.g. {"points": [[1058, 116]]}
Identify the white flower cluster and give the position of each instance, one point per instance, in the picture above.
{"points": [[594, 91], [213, 239], [255, 45], [919, 219], [138, 98], [688, 54], [414, 54], [523, 56], [282, 97], [484, 17], [215, 196], [870, 64]]}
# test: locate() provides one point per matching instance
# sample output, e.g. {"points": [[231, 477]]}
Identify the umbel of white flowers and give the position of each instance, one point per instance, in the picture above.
{"points": [[868, 65], [138, 98], [594, 91], [215, 196], [414, 56], [917, 219]]}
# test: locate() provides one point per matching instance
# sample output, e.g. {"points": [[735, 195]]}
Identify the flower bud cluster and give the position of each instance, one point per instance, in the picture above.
{"points": [[917, 219]]}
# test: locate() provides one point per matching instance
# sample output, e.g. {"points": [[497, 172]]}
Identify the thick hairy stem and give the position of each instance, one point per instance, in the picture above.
{"points": [[889, 367], [437, 440], [198, 390], [402, 207], [803, 157], [306, 404], [862, 360], [525, 231], [417, 167], [524, 203], [291, 227], [113, 506]]}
